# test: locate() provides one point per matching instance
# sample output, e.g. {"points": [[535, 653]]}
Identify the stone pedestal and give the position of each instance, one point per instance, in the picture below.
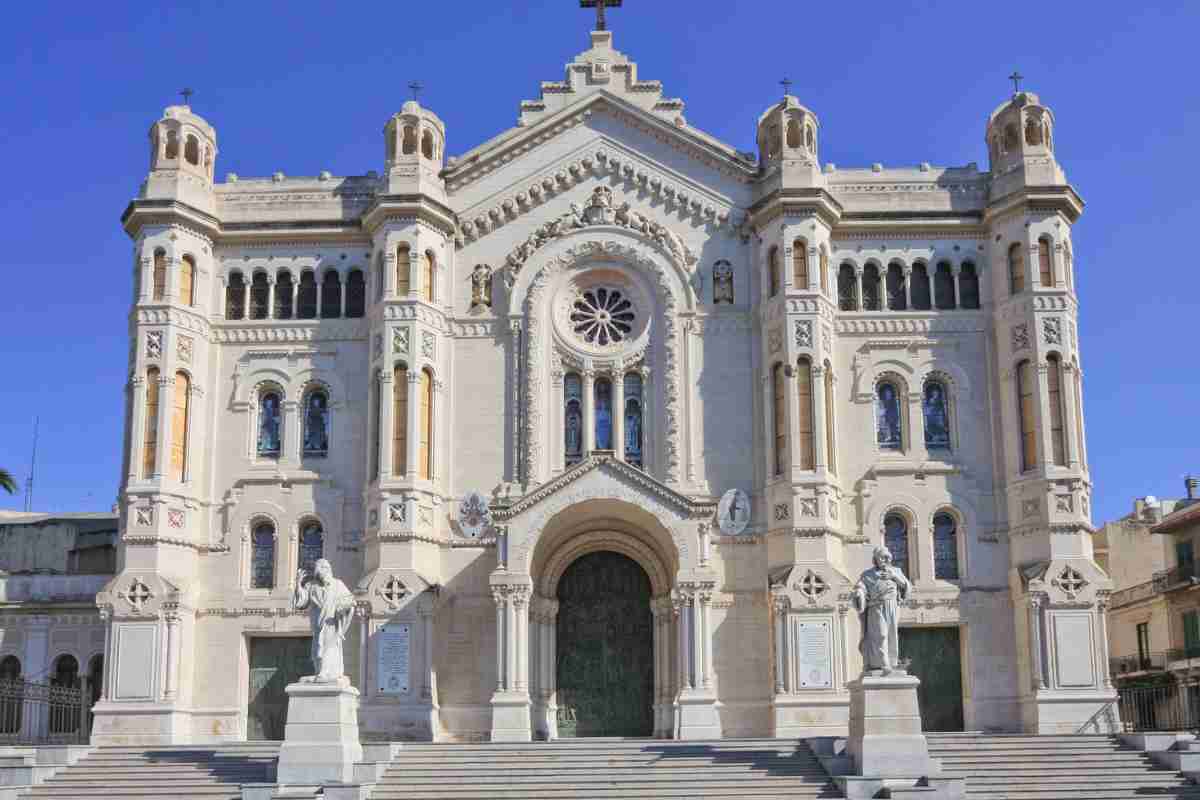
{"points": [[320, 741], [511, 721], [697, 715], [886, 744]]}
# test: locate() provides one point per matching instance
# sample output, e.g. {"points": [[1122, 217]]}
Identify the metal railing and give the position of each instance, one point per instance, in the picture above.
{"points": [[1163, 581], [45, 713], [1142, 662], [1160, 708]]}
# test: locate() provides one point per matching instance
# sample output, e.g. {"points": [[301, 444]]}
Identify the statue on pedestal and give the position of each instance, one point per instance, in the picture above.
{"points": [[877, 597], [331, 607]]}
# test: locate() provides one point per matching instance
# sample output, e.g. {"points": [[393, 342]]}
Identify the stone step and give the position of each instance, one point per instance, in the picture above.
{"points": [[573, 772]]}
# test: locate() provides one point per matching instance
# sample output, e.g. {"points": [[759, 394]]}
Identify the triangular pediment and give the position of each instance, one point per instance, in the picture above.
{"points": [[604, 476]]}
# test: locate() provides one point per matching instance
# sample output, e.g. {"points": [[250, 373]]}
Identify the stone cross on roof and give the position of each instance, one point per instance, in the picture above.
{"points": [[1016, 78], [187, 96], [416, 88], [600, 5]]}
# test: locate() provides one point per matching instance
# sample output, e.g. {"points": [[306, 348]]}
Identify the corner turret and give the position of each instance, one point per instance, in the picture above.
{"points": [[416, 141], [183, 154], [787, 142], [1020, 140]]}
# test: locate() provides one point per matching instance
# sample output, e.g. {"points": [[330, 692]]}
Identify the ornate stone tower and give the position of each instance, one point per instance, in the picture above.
{"points": [[1058, 592], [411, 231], [166, 509], [801, 495]]}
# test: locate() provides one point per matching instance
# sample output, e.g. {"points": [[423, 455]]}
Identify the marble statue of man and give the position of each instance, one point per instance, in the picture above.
{"points": [[331, 607], [877, 597]]}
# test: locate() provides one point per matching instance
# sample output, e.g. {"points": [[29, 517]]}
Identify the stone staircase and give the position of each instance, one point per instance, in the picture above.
{"points": [[207, 772], [631, 769], [1015, 767]]}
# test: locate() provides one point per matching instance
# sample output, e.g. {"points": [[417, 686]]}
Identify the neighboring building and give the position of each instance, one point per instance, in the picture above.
{"points": [[1154, 610], [603, 319]]}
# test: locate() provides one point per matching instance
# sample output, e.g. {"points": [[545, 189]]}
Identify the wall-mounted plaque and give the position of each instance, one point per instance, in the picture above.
{"points": [[814, 655], [733, 512], [393, 647]]}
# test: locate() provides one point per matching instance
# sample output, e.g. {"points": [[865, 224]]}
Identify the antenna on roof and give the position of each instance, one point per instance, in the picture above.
{"points": [[32, 465]]}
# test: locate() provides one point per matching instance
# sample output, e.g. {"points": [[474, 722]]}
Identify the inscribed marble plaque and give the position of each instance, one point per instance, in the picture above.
{"points": [[1074, 646], [393, 648], [814, 655]]}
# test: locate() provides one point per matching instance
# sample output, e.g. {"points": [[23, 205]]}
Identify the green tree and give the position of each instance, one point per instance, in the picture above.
{"points": [[7, 482]]}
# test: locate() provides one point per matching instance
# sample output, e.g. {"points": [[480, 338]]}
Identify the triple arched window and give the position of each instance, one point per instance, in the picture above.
{"points": [[916, 289], [285, 297], [617, 417]]}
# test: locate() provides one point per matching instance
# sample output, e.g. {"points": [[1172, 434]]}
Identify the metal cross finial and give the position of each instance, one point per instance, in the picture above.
{"points": [[416, 88], [187, 96], [786, 83], [1016, 78], [600, 5]]}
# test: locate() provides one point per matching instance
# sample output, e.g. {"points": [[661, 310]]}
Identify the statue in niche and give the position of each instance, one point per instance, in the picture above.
{"points": [[331, 607], [481, 286], [268, 425], [316, 425], [877, 597], [722, 283], [603, 415], [633, 431]]}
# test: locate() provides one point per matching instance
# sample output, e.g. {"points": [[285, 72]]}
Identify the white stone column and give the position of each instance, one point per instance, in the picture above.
{"points": [[618, 411], [270, 297], [908, 271], [501, 597], [858, 281], [146, 282], [705, 636], [295, 296], [289, 447], [389, 273], [247, 281], [1102, 612], [1035, 642], [387, 405], [792, 416], [521, 615], [171, 618], [414, 422], [782, 682], [681, 605], [363, 611], [342, 309], [589, 412], [820, 457], [649, 435], [956, 270], [1045, 443], [320, 292], [166, 405], [510, 642]]}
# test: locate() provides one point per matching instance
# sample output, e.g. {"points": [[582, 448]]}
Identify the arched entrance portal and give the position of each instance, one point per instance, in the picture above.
{"points": [[605, 648]]}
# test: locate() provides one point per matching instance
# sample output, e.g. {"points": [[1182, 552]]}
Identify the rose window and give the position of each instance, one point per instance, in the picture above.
{"points": [[602, 316]]}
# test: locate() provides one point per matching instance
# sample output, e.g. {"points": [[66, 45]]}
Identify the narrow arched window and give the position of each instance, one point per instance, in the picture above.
{"points": [[824, 263], [316, 424], [870, 288], [633, 419], [936, 411], [400, 420], [604, 413], [895, 539], [780, 418], [429, 270], [187, 281], [180, 422], [1045, 265], [794, 136], [235, 297], [773, 276], [1011, 138], [572, 418], [262, 556], [172, 144], [945, 547], [191, 151], [403, 270], [1016, 270], [830, 437], [260, 295], [426, 452], [12, 695], [160, 275], [847, 288], [409, 145], [1026, 400], [331, 295], [356, 294], [283, 295], [897, 298], [800, 265], [1058, 435], [922, 298], [943, 286], [312, 544], [150, 426], [1033, 133], [887, 416], [306, 296], [270, 425], [968, 286], [804, 409], [427, 145]]}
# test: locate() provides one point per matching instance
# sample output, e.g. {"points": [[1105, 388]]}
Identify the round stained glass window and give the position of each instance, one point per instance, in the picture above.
{"points": [[602, 316]]}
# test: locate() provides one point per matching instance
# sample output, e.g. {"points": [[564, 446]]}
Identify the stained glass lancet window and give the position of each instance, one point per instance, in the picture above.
{"points": [[262, 556], [312, 544], [316, 424], [269, 425], [573, 418], [633, 419], [945, 547], [604, 413], [895, 539], [937, 416], [887, 412]]}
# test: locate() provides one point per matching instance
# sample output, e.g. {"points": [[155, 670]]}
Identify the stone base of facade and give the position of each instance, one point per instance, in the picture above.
{"points": [[664, 720], [545, 720], [320, 741], [511, 720], [137, 724], [801, 716], [696, 715], [1058, 712], [394, 722]]}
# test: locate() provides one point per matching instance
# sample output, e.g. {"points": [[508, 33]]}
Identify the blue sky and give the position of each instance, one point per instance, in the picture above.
{"points": [[305, 86]]}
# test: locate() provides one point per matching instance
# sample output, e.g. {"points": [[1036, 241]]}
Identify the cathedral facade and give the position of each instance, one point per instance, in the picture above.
{"points": [[600, 421]]}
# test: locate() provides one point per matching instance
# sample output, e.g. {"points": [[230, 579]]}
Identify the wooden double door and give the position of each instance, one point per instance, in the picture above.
{"points": [[937, 660], [274, 663]]}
